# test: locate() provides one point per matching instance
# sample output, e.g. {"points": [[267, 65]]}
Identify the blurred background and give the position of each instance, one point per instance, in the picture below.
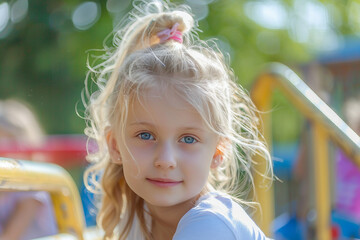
{"points": [[44, 47]]}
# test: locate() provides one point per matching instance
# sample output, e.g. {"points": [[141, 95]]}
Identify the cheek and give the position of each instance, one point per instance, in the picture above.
{"points": [[134, 160], [195, 157], [132, 172], [141, 155], [137, 150], [196, 164]]}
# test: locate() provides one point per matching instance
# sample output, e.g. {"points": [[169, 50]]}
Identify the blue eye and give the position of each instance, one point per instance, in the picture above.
{"points": [[188, 140], [145, 136]]}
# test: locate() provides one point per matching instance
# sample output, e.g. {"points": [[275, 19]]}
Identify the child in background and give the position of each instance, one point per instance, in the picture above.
{"points": [[23, 214], [347, 200], [19, 125], [175, 134]]}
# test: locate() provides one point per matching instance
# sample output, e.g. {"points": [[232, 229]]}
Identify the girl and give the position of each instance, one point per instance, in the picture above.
{"points": [[175, 134]]}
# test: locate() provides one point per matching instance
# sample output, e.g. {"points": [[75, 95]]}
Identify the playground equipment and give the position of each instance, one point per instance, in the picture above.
{"points": [[59, 152], [327, 125], [16, 175], [67, 151], [19, 175]]}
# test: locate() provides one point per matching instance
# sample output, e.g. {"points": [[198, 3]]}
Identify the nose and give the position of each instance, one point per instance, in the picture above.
{"points": [[165, 157]]}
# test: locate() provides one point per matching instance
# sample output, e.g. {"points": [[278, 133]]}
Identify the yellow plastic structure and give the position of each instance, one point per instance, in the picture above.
{"points": [[16, 175], [327, 126]]}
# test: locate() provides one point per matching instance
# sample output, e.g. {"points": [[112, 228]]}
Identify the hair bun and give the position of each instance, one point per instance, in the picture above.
{"points": [[167, 20]]}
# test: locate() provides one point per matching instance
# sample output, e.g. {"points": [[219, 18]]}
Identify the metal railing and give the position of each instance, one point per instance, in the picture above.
{"points": [[327, 125]]}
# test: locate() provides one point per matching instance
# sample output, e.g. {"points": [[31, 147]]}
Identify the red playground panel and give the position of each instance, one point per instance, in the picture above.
{"points": [[67, 151]]}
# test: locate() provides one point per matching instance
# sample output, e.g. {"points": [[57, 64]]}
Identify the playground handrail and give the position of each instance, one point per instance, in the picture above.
{"points": [[18, 175], [326, 125]]}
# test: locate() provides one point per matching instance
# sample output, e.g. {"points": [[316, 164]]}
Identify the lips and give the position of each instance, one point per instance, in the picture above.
{"points": [[163, 182]]}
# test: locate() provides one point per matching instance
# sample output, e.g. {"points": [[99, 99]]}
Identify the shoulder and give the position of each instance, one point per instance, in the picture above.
{"points": [[217, 216]]}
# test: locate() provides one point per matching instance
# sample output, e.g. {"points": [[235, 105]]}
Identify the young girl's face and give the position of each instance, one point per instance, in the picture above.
{"points": [[168, 150]]}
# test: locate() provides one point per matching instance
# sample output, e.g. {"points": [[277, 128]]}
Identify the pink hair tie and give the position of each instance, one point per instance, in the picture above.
{"points": [[172, 33]]}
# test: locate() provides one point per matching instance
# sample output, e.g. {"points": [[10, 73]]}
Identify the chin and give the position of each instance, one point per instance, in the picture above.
{"points": [[162, 202], [170, 202]]}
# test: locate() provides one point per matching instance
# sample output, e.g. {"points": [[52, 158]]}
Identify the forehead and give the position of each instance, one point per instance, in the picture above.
{"points": [[165, 106], [160, 87]]}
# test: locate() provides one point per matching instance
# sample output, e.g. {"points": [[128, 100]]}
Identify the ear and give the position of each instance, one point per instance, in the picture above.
{"points": [[113, 147], [217, 158]]}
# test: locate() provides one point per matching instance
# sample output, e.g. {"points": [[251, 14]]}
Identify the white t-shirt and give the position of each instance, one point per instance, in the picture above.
{"points": [[217, 216]]}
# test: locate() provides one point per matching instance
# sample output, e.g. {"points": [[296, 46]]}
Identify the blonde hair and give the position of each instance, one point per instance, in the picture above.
{"points": [[196, 71], [18, 121]]}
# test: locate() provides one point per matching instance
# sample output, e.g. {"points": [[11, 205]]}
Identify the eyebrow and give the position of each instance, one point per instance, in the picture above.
{"points": [[183, 128], [141, 123], [192, 129]]}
